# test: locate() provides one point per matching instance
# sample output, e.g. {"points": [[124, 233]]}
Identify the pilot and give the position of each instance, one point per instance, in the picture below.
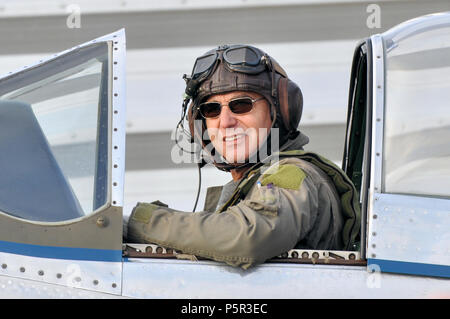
{"points": [[244, 112]]}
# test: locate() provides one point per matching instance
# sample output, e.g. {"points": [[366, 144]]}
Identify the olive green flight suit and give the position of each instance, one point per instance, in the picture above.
{"points": [[275, 207]]}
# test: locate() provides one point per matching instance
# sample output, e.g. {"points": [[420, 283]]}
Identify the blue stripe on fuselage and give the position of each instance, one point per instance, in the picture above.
{"points": [[61, 252], [402, 267]]}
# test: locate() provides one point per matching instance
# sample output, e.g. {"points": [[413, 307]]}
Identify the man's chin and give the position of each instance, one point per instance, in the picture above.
{"points": [[236, 158], [241, 159]]}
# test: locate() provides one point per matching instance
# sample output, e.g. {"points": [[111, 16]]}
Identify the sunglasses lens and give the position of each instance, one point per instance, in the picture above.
{"points": [[203, 63], [209, 110], [242, 55], [238, 106], [241, 106]]}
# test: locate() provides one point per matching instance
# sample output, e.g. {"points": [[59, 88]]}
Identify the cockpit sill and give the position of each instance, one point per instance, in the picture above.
{"points": [[293, 256]]}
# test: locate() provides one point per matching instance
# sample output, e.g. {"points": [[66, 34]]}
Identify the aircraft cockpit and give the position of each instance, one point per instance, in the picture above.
{"points": [[62, 140]]}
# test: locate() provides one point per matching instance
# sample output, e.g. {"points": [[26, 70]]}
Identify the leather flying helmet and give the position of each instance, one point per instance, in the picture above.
{"points": [[242, 68]]}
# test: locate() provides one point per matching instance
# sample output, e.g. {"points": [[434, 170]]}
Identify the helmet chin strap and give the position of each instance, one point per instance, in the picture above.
{"points": [[226, 167]]}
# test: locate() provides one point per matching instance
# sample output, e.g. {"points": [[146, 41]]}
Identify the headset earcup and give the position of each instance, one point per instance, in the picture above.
{"points": [[295, 101], [283, 102], [291, 103]]}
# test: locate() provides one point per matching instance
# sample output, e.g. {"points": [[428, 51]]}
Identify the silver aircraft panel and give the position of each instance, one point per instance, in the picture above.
{"points": [[118, 117], [159, 278], [377, 126], [16, 288], [100, 276], [410, 229], [378, 87]]}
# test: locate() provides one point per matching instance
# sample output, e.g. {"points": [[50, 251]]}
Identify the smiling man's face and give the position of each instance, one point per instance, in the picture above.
{"points": [[237, 136]]}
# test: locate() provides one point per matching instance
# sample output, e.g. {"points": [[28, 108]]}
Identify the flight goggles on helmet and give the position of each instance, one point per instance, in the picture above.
{"points": [[237, 58]]}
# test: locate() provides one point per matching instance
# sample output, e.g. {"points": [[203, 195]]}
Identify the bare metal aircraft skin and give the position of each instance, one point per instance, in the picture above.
{"points": [[62, 128]]}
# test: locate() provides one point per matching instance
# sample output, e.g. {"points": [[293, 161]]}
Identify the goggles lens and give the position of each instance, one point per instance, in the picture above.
{"points": [[240, 105], [203, 64], [242, 55]]}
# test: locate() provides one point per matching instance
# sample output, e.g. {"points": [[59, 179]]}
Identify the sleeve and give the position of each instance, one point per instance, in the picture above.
{"points": [[270, 220]]}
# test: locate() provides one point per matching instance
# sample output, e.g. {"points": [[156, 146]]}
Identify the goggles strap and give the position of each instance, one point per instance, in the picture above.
{"points": [[268, 62]]}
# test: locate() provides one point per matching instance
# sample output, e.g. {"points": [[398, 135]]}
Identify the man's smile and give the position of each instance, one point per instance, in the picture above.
{"points": [[234, 138]]}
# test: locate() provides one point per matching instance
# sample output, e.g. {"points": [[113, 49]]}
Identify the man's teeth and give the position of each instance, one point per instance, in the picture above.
{"points": [[233, 138]]}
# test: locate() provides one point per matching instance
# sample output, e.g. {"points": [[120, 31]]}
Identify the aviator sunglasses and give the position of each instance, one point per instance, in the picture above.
{"points": [[239, 106]]}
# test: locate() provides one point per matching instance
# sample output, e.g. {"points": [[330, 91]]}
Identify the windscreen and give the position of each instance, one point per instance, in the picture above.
{"points": [[68, 97], [417, 113]]}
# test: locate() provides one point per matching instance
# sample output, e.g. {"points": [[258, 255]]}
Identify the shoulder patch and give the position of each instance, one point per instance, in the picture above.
{"points": [[287, 176]]}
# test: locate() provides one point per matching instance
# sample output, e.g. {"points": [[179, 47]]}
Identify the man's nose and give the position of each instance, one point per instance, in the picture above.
{"points": [[227, 118]]}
